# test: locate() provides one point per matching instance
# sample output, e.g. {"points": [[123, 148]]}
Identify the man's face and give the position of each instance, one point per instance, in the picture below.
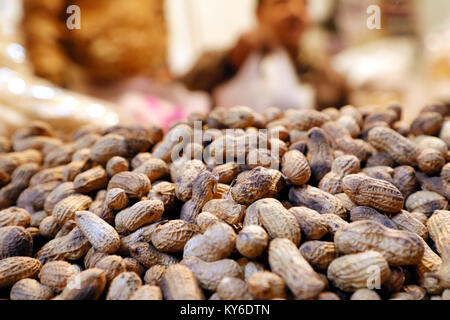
{"points": [[287, 19]]}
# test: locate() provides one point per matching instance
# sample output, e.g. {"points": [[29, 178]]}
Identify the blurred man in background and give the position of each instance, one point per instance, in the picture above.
{"points": [[281, 23]]}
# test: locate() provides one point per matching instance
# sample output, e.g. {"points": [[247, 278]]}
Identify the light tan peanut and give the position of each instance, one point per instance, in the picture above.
{"points": [[75, 168], [312, 225], [426, 142], [233, 289], [47, 175], [49, 227], [164, 191], [334, 222], [365, 294], [179, 283], [101, 235], [61, 192], [15, 241], [66, 228], [226, 172], [205, 220], [400, 148], [316, 199], [154, 275], [14, 216], [426, 202], [14, 269], [30, 289], [368, 213], [116, 199], [346, 201], [112, 266], [171, 236], [265, 285], [148, 256], [132, 265], [139, 159], [397, 247], [358, 271], [216, 243], [142, 213], [252, 241], [154, 169], [147, 293], [66, 208], [263, 158], [136, 185], [184, 182], [107, 147], [250, 267], [445, 174], [326, 295], [439, 228], [252, 186], [87, 285], [286, 261], [72, 246], [116, 165], [278, 221], [425, 269], [319, 253], [56, 274], [375, 193], [209, 274], [296, 168], [175, 136], [91, 180], [124, 286], [431, 161], [307, 119], [320, 153], [92, 257], [238, 117], [405, 221], [342, 166]]}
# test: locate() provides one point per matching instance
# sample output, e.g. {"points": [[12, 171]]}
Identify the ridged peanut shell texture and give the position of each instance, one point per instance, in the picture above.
{"points": [[142, 213], [136, 185], [400, 148], [56, 274], [172, 236], [101, 235], [379, 194], [399, 248], [296, 168], [17, 268], [358, 271], [286, 261]]}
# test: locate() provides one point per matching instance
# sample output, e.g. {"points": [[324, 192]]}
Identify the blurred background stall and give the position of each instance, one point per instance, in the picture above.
{"points": [[135, 55]]}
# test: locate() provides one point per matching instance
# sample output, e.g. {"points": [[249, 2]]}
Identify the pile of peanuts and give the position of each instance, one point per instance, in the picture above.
{"points": [[331, 205]]}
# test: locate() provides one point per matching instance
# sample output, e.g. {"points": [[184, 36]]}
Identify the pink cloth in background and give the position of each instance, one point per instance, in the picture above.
{"points": [[165, 112]]}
